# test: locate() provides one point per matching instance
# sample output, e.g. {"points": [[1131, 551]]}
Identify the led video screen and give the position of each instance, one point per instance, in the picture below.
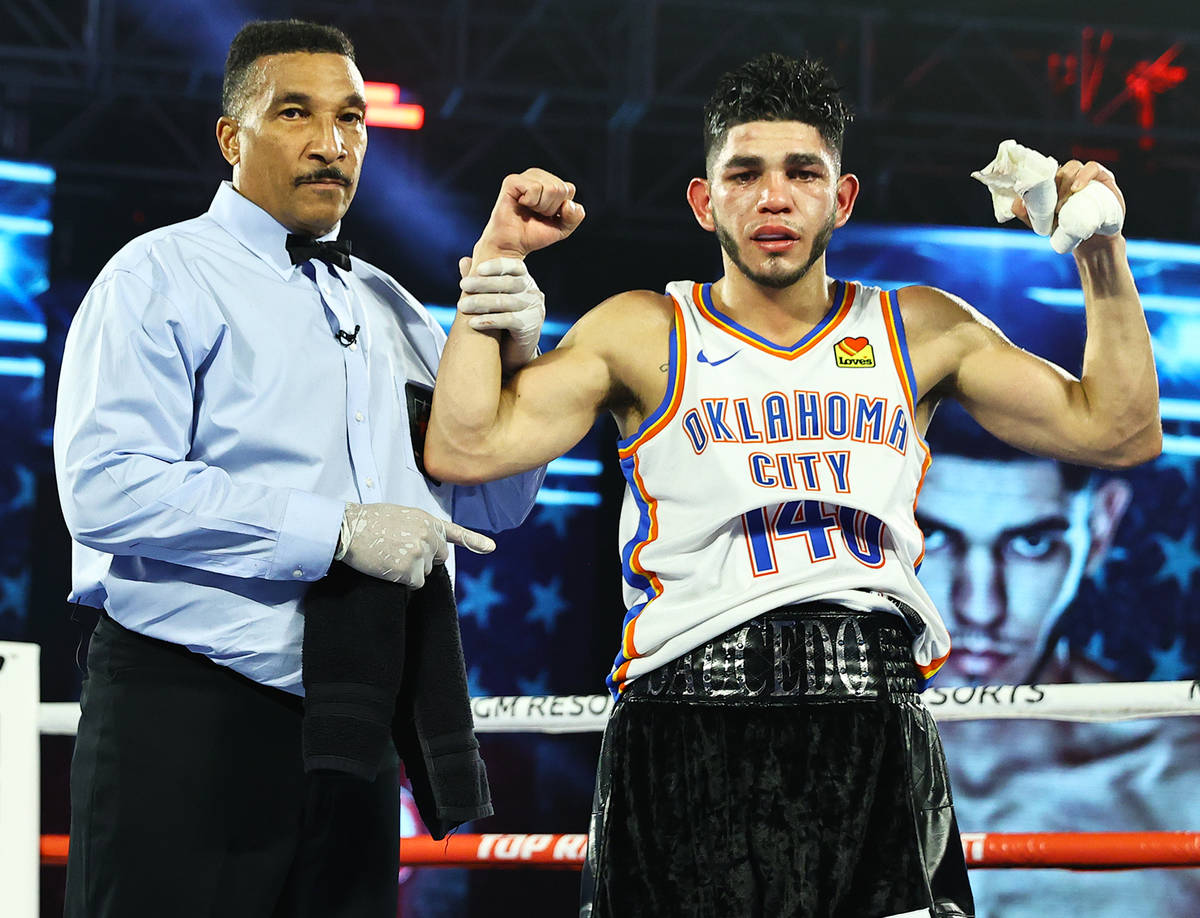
{"points": [[25, 229], [1047, 573]]}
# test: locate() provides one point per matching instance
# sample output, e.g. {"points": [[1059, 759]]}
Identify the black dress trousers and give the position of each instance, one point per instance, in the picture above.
{"points": [[189, 799]]}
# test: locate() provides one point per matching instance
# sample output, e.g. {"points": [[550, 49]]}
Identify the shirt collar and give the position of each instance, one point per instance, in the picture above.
{"points": [[256, 229]]}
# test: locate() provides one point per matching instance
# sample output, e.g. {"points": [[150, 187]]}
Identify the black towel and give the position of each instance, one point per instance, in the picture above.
{"points": [[382, 661], [353, 656], [433, 727]]}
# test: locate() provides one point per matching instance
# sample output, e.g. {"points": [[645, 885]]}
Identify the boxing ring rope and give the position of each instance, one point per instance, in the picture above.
{"points": [[1071, 850], [1096, 702], [23, 720]]}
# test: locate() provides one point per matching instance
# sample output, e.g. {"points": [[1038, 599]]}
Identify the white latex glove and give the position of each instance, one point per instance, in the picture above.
{"points": [[1090, 210], [400, 544], [501, 296]]}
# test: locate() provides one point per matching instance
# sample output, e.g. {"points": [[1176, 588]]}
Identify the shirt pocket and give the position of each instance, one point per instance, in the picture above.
{"points": [[416, 400]]}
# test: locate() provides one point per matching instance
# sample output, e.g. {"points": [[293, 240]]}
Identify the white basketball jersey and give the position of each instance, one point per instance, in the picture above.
{"points": [[773, 475]]}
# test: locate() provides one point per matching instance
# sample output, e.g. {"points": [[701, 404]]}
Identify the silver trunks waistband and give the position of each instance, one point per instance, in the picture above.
{"points": [[812, 653]]}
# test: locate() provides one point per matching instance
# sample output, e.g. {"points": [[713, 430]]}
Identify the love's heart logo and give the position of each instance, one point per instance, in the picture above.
{"points": [[854, 352]]}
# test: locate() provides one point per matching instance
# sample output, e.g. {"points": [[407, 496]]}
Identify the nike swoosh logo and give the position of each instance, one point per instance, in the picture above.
{"points": [[715, 363]]}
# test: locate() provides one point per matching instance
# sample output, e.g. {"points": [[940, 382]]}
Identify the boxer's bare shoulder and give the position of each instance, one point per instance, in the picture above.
{"points": [[941, 329], [631, 333]]}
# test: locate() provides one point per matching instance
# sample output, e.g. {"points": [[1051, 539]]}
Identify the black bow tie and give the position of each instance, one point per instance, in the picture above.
{"points": [[302, 248]]}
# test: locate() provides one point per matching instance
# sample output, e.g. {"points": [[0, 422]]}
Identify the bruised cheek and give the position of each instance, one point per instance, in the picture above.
{"points": [[727, 203], [818, 201]]}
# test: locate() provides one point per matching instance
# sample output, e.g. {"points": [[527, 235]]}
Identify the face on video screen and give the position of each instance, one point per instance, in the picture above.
{"points": [[1006, 545]]}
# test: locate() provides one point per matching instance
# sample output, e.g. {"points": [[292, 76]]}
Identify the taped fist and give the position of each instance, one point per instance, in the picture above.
{"points": [[1069, 203], [1090, 203]]}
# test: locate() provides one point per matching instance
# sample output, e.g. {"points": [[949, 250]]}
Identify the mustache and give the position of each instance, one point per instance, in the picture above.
{"points": [[326, 174]]}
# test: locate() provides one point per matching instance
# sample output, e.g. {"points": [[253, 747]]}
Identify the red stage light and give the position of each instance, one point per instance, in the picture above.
{"points": [[384, 108], [1143, 82]]}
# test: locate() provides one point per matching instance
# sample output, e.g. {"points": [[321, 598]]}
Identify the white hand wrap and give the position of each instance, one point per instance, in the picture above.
{"points": [[1092, 209], [400, 544], [502, 296], [1018, 171]]}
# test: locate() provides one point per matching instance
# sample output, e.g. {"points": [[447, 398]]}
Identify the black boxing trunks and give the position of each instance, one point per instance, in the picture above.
{"points": [[786, 769]]}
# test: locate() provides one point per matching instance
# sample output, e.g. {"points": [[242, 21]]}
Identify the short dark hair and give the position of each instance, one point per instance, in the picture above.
{"points": [[276, 36], [774, 87]]}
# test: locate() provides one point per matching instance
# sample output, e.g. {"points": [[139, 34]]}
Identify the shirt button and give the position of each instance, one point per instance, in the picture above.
{"points": [[297, 573], [370, 482], [354, 346], [358, 415]]}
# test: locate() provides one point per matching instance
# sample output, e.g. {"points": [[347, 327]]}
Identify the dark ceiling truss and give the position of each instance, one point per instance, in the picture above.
{"points": [[608, 93]]}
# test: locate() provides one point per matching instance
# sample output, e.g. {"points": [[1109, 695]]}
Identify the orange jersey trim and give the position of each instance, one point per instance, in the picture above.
{"points": [[670, 403], [891, 313], [933, 666], [900, 359]]}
